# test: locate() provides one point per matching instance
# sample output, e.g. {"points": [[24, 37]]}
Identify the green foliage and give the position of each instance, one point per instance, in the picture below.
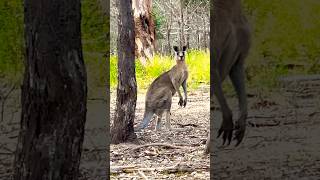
{"points": [[94, 39], [94, 26], [198, 63], [159, 21], [11, 38], [284, 32]]}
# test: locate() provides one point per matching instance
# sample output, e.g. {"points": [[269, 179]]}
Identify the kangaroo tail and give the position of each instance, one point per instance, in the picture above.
{"points": [[146, 119]]}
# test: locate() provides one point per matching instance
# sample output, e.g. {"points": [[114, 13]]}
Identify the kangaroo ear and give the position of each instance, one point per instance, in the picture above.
{"points": [[175, 48], [184, 48]]}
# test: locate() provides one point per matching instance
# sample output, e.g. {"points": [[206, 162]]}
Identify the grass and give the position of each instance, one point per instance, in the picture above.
{"points": [[198, 63]]}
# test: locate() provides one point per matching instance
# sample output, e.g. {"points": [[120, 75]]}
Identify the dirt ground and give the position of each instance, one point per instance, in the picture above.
{"points": [[281, 142], [282, 139], [188, 136]]}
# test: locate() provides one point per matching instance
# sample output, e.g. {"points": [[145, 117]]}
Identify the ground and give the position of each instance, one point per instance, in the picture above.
{"points": [[282, 139], [185, 160], [281, 142], [93, 160]]}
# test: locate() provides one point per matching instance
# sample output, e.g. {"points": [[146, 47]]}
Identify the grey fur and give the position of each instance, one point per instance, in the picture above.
{"points": [[161, 90], [230, 43]]}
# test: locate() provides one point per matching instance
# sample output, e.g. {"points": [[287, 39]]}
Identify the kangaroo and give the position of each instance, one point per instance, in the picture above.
{"points": [[230, 33], [159, 95]]}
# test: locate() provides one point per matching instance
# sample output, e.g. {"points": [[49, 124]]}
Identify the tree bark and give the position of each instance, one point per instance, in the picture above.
{"points": [[204, 35], [122, 129], [182, 37], [168, 26], [145, 30], [54, 92]]}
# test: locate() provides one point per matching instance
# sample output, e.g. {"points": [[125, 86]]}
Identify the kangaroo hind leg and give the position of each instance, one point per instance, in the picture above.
{"points": [[237, 77], [146, 119], [158, 123]]}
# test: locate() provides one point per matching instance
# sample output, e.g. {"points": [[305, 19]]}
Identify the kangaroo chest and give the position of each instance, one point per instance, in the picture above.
{"points": [[179, 75]]}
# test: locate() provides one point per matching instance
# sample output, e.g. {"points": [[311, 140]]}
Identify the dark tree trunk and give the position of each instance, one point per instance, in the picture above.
{"points": [[54, 92], [122, 129]]}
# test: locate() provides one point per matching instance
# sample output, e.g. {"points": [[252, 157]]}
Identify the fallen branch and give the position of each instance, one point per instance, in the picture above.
{"points": [[5, 153], [313, 113], [172, 169], [157, 144], [261, 117], [185, 125], [275, 123]]}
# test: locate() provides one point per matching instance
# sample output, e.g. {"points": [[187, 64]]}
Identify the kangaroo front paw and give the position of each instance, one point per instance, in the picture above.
{"points": [[180, 103], [185, 103]]}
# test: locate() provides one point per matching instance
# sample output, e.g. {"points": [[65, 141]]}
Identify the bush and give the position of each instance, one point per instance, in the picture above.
{"points": [[198, 63]]}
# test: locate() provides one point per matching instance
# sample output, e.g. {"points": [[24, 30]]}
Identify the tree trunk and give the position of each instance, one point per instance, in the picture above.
{"points": [[122, 129], [187, 42], [182, 38], [54, 93], [168, 26], [145, 30], [204, 35]]}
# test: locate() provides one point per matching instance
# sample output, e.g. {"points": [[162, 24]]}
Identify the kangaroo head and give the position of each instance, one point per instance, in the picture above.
{"points": [[179, 54]]}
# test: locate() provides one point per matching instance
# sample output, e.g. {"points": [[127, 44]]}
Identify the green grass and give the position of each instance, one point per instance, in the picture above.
{"points": [[198, 63], [94, 27]]}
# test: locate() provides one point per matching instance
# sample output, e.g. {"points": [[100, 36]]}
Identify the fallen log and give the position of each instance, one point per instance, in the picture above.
{"points": [[173, 169]]}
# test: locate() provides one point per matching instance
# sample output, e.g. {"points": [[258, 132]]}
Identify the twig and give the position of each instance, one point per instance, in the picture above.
{"points": [[4, 99], [142, 175], [184, 125], [275, 123], [97, 99], [118, 169], [3, 146], [157, 144], [313, 113]]}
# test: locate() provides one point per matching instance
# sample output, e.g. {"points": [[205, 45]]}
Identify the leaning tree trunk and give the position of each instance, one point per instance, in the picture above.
{"points": [[54, 92], [144, 30], [122, 129]]}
